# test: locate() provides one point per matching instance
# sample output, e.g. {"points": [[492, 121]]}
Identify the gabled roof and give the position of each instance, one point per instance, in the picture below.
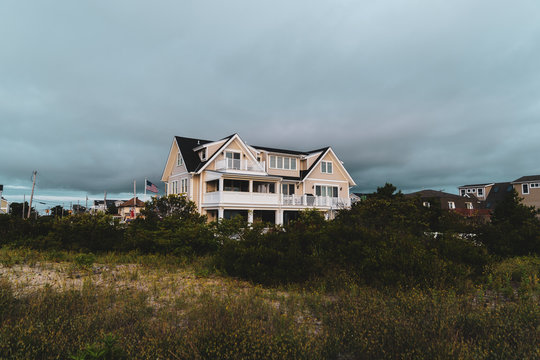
{"points": [[527, 179], [186, 146], [130, 202], [476, 185], [459, 201]]}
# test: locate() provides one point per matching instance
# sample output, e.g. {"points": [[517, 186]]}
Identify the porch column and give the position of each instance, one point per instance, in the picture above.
{"points": [[250, 186], [279, 217], [220, 213], [250, 216], [220, 186]]}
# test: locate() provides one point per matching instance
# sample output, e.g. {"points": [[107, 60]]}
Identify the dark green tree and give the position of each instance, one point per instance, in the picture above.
{"points": [[514, 228]]}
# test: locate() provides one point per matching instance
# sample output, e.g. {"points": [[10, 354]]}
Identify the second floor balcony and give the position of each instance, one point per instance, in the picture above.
{"points": [[239, 165]]}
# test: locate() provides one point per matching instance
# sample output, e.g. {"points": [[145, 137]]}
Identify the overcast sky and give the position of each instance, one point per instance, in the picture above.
{"points": [[419, 93]]}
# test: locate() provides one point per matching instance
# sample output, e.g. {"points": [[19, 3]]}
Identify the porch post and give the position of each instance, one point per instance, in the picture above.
{"points": [[279, 217], [250, 186], [250, 216], [220, 213], [220, 186]]}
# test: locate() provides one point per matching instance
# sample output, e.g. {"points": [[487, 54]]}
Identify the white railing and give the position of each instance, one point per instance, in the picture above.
{"points": [[237, 164], [310, 200], [254, 198]]}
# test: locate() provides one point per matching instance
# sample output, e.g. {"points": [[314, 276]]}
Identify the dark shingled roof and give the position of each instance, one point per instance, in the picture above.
{"points": [[280, 151], [527, 178], [444, 197], [497, 193], [472, 185], [186, 145]]}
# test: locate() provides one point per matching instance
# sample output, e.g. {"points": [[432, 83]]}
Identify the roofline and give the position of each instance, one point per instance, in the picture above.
{"points": [[475, 185], [224, 146], [328, 149]]}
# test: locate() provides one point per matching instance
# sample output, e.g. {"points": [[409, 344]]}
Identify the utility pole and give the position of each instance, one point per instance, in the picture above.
{"points": [[32, 196], [105, 202], [23, 203]]}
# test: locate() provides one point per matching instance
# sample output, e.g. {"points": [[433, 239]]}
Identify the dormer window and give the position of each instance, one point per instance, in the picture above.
{"points": [[480, 192], [202, 154]]}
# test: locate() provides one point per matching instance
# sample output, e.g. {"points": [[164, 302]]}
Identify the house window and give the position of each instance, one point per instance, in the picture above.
{"points": [[264, 187], [233, 160], [174, 188], [287, 189], [480, 192], [236, 185], [463, 192], [469, 205], [202, 154], [524, 188], [426, 204], [324, 190], [179, 161], [184, 186], [326, 167], [282, 162], [451, 205]]}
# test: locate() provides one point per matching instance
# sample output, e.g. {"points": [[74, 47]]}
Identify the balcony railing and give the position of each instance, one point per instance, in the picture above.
{"points": [[253, 198], [241, 165]]}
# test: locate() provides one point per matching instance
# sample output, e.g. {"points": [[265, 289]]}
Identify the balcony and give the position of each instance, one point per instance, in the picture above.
{"points": [[232, 198], [238, 165], [315, 201]]}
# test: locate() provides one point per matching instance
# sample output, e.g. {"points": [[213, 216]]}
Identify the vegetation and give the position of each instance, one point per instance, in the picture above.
{"points": [[387, 279]]}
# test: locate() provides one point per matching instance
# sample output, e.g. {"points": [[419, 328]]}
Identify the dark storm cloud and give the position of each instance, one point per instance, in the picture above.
{"points": [[418, 93]]}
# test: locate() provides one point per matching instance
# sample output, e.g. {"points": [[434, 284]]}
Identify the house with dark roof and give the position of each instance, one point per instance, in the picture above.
{"points": [[130, 209], [528, 189], [468, 205], [228, 177]]}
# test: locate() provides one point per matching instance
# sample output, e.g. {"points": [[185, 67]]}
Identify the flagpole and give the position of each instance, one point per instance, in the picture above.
{"points": [[145, 182]]}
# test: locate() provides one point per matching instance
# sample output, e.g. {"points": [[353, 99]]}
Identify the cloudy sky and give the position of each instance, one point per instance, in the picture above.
{"points": [[419, 93]]}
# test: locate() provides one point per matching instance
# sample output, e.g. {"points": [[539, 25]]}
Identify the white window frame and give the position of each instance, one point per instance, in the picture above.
{"points": [[451, 205], [325, 166], [287, 162], [326, 187], [174, 187], [523, 187], [463, 192], [426, 204], [469, 205], [203, 153], [233, 152], [480, 192], [179, 160], [184, 186]]}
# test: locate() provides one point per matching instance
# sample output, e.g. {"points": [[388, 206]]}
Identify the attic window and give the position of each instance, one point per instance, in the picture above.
{"points": [[202, 154], [463, 192], [180, 161], [469, 205], [451, 205], [524, 189], [326, 167], [480, 192]]}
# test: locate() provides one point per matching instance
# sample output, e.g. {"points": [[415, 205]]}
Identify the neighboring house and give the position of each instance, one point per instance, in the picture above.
{"points": [[481, 191], [497, 194], [4, 206], [228, 177], [130, 209], [468, 205], [98, 205], [528, 188], [356, 197]]}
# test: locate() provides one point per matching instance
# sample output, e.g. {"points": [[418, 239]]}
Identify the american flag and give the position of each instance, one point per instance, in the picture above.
{"points": [[151, 187]]}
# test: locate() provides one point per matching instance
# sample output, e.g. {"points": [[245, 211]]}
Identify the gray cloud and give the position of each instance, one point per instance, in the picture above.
{"points": [[418, 93]]}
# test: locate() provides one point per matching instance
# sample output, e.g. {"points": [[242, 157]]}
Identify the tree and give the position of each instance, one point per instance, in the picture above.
{"points": [[17, 210], [57, 211], [178, 207], [514, 228]]}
